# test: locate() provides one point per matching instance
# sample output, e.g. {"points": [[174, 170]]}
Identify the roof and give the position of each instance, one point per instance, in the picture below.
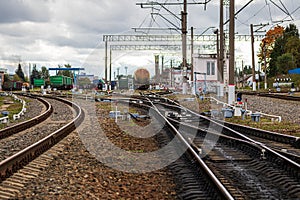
{"points": [[102, 81], [294, 71], [67, 69]]}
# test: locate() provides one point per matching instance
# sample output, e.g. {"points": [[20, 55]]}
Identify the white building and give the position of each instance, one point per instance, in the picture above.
{"points": [[207, 64]]}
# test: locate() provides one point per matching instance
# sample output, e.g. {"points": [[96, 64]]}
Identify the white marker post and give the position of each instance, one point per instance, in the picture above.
{"points": [[116, 112]]}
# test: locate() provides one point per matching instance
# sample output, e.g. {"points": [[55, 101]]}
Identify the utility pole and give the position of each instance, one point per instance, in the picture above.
{"points": [[184, 32], [171, 73], [162, 70], [192, 52], [253, 59], [218, 54], [105, 60], [29, 75], [157, 74], [243, 74], [265, 63], [221, 50], [126, 70], [231, 85], [252, 51], [110, 61], [118, 72]]}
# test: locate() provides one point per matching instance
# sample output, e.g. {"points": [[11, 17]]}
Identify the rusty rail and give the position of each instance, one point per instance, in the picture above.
{"points": [[8, 131], [17, 161]]}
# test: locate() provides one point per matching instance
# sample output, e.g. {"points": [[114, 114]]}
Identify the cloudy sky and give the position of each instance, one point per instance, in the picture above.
{"points": [[56, 32]]}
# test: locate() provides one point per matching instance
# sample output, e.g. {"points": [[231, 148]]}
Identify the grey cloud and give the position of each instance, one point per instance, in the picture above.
{"points": [[35, 28], [97, 16], [19, 10], [77, 41]]}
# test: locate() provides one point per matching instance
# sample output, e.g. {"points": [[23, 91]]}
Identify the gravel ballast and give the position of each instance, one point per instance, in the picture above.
{"points": [[288, 110], [76, 174]]}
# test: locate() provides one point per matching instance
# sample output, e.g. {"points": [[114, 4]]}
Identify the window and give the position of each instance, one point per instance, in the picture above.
{"points": [[213, 70], [208, 68]]}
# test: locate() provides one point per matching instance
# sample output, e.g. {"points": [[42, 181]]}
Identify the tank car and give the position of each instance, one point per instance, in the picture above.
{"points": [[141, 79]]}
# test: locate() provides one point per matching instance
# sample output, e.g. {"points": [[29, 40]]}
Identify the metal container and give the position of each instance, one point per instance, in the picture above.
{"points": [[38, 82], [141, 78]]}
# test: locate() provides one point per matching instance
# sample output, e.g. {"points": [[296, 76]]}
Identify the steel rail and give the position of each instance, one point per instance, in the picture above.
{"points": [[149, 105], [288, 161], [288, 139], [225, 193], [20, 159], [260, 148], [8, 131], [272, 95]]}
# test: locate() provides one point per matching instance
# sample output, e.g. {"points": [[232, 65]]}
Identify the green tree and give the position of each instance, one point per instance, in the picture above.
{"points": [[17, 78], [291, 30], [65, 72], [84, 81], [60, 72], [284, 63], [68, 73], [7, 82], [20, 73], [293, 47], [44, 73], [267, 46], [6, 77], [34, 74], [286, 47]]}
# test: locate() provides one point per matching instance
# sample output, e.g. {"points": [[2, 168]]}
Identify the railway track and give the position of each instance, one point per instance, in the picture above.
{"points": [[284, 144], [230, 170], [19, 150], [189, 170], [8, 131], [236, 160], [273, 95], [287, 145]]}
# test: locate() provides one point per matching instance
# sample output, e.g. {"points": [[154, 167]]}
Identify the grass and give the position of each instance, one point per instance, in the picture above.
{"points": [[283, 127], [13, 108]]}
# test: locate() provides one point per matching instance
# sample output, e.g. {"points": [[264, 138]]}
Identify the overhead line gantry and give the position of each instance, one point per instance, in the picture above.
{"points": [[172, 38]]}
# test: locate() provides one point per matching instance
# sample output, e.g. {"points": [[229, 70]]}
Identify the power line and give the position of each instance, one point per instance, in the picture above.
{"points": [[270, 13]]}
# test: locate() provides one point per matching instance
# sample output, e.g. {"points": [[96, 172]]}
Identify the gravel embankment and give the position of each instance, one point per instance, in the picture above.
{"points": [[76, 174], [33, 109], [288, 110], [61, 115]]}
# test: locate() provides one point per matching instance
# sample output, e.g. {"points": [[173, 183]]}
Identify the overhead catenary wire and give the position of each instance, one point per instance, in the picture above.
{"points": [[292, 12], [269, 9], [254, 15], [162, 10], [287, 11]]}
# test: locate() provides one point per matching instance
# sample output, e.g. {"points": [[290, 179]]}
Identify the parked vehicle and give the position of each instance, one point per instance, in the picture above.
{"points": [[38, 82], [141, 79], [61, 82]]}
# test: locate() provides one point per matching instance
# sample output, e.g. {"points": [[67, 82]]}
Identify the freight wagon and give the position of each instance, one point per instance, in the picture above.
{"points": [[12, 85], [38, 82], [61, 82], [141, 79]]}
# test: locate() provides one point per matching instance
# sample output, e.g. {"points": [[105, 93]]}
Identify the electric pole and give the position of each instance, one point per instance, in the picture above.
{"points": [[221, 50], [110, 63], [265, 63], [105, 60], [184, 32], [231, 84], [253, 59], [192, 52]]}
